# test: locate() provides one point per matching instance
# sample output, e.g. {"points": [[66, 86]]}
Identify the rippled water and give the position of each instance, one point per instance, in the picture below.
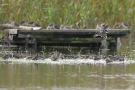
{"points": [[67, 74], [84, 76]]}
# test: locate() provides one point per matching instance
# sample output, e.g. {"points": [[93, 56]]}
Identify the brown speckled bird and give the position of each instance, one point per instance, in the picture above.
{"points": [[78, 24], [125, 25], [117, 25], [85, 27]]}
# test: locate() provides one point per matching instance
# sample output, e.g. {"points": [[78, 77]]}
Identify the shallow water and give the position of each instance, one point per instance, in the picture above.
{"points": [[53, 76], [67, 74]]}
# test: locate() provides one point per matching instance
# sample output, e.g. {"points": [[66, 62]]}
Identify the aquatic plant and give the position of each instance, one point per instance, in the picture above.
{"points": [[68, 12], [90, 12]]}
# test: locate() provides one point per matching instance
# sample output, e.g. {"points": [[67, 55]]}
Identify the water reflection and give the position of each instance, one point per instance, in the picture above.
{"points": [[59, 77], [31, 76]]}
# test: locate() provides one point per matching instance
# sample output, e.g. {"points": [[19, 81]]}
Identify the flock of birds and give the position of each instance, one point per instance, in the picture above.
{"points": [[102, 28], [22, 23], [63, 27], [56, 56], [79, 26]]}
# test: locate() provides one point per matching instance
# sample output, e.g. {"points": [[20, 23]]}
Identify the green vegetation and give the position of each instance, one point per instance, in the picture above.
{"points": [[68, 12]]}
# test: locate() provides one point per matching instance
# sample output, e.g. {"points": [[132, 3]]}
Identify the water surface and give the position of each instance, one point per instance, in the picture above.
{"points": [[32, 76], [29, 75]]}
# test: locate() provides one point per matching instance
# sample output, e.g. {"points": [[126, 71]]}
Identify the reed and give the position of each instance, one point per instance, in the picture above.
{"points": [[68, 12]]}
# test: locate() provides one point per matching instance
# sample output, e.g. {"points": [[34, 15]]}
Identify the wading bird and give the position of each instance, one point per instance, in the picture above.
{"points": [[78, 24], [125, 25], [117, 25]]}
